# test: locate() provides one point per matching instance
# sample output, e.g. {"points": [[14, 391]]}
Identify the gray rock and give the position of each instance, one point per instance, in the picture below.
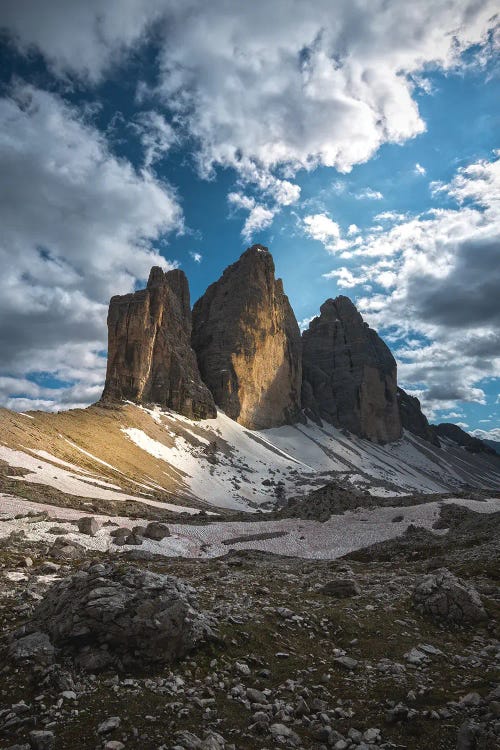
{"points": [[256, 696], [66, 549], [188, 740], [48, 568], [33, 647], [281, 730], [341, 588], [42, 740], [118, 615], [467, 735], [444, 596], [347, 662], [109, 725], [88, 525], [156, 531]]}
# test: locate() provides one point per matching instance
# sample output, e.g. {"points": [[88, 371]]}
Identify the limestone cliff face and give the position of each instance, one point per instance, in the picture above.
{"points": [[150, 359], [350, 374], [413, 419], [247, 342]]}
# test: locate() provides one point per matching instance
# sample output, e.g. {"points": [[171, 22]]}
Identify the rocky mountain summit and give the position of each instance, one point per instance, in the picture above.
{"points": [[350, 374], [150, 359], [240, 349], [247, 342]]}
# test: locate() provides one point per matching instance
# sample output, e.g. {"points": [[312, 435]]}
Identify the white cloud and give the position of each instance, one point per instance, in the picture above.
{"points": [[419, 169], [346, 279], [352, 229], [156, 134], [239, 200], [304, 323], [197, 257], [441, 275], [321, 227], [393, 216], [77, 226], [310, 85], [369, 194], [493, 434], [258, 219]]}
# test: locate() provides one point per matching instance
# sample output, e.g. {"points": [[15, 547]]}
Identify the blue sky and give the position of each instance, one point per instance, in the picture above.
{"points": [[360, 148]]}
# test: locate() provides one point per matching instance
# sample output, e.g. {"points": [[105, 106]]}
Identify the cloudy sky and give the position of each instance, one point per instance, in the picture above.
{"points": [[357, 139]]}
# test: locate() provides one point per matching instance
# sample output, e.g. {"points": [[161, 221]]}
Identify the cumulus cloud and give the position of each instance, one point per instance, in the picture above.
{"points": [[157, 136], [321, 227], [369, 194], [493, 434], [259, 217], [312, 85], [197, 257], [420, 170], [77, 227], [442, 276]]}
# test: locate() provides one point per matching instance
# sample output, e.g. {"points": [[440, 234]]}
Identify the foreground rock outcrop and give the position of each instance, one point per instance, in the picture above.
{"points": [[349, 374], [150, 359], [247, 342], [413, 419], [444, 596], [115, 615]]}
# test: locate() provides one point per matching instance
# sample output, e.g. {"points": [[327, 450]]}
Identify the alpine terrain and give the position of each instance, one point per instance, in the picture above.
{"points": [[254, 539]]}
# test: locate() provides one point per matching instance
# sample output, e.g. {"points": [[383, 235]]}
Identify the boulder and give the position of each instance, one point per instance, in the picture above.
{"points": [[150, 359], [341, 588], [443, 596], [156, 530], [66, 549], [34, 647], [349, 374], [88, 525], [247, 342], [117, 615], [42, 740]]}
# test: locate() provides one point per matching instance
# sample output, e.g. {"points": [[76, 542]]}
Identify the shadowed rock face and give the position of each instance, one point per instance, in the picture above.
{"points": [[350, 374], [150, 359], [248, 345], [413, 419], [459, 436]]}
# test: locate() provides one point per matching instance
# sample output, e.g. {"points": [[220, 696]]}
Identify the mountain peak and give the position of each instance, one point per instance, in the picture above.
{"points": [[349, 373], [247, 342]]}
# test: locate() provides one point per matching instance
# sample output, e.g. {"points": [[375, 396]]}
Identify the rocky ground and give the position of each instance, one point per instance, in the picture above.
{"points": [[263, 651]]}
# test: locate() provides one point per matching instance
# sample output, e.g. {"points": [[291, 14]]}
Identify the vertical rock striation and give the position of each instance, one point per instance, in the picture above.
{"points": [[150, 359], [350, 374], [248, 343]]}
